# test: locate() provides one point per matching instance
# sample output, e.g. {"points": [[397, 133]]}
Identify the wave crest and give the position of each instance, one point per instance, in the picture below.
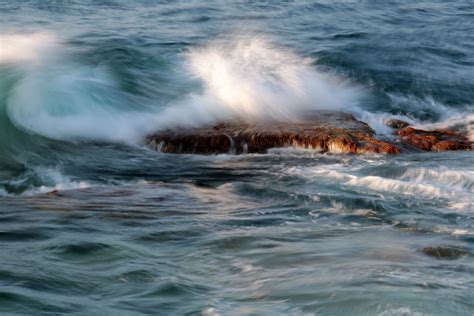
{"points": [[252, 78]]}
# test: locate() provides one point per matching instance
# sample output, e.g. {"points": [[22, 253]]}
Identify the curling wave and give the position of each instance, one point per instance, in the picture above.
{"points": [[249, 78]]}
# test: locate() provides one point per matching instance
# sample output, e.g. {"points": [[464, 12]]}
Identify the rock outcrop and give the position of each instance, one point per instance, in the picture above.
{"points": [[434, 140], [396, 123], [324, 131], [445, 252]]}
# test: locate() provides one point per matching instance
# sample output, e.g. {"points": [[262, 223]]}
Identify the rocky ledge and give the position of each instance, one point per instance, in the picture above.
{"points": [[434, 140], [323, 131]]}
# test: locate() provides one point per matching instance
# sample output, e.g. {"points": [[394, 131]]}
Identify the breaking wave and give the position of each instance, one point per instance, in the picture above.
{"points": [[249, 78], [252, 78], [46, 93]]}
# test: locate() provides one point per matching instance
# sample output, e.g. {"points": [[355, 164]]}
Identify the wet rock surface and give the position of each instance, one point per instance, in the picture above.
{"points": [[396, 123], [324, 131], [434, 140], [444, 252]]}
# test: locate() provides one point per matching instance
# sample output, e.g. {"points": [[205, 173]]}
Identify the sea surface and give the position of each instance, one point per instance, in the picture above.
{"points": [[92, 222]]}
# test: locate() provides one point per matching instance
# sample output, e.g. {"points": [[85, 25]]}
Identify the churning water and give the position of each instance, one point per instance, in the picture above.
{"points": [[92, 222]]}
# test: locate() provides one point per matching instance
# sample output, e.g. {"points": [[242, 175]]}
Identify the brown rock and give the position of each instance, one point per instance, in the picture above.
{"points": [[324, 131], [435, 140], [396, 123], [444, 252]]}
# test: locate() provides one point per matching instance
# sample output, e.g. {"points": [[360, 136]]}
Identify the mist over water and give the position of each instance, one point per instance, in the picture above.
{"points": [[93, 222]]}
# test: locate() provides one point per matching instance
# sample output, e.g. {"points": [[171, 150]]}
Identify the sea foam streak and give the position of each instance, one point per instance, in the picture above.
{"points": [[454, 186], [249, 78]]}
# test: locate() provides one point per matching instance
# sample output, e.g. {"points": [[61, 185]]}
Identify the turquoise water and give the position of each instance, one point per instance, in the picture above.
{"points": [[92, 222]]}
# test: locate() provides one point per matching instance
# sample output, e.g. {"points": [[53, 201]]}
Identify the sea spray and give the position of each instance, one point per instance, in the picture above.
{"points": [[246, 77], [30, 48], [251, 78]]}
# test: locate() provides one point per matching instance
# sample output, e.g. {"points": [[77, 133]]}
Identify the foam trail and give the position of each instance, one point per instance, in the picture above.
{"points": [[454, 186]]}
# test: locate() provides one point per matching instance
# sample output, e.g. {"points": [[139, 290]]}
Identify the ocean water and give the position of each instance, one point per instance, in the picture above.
{"points": [[94, 223]]}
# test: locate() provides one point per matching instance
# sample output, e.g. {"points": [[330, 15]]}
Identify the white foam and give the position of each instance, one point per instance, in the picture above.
{"points": [[456, 186], [252, 78], [398, 311], [26, 47], [340, 208], [462, 206], [54, 181], [210, 311], [58, 187], [456, 232], [383, 184], [60, 99], [249, 77], [449, 118], [378, 120], [462, 180], [461, 121]]}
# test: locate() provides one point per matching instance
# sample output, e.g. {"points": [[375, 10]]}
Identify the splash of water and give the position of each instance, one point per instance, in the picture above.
{"points": [[462, 121], [26, 48], [253, 79], [249, 79]]}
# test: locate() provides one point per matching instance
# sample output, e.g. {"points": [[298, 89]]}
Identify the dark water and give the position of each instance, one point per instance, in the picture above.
{"points": [[94, 223]]}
